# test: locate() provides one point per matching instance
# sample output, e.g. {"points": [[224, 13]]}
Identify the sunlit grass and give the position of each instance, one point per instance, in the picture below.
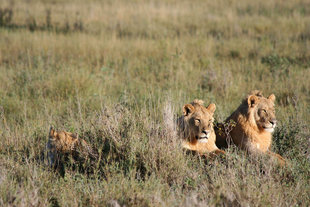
{"points": [[115, 71]]}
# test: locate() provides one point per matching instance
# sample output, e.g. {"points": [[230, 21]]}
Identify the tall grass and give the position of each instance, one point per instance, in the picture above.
{"points": [[118, 72]]}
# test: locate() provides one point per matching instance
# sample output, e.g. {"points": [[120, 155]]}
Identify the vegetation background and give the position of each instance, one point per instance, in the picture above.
{"points": [[117, 73]]}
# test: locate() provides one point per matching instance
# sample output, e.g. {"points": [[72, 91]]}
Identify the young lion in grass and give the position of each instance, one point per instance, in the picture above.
{"points": [[61, 143], [196, 128], [253, 123]]}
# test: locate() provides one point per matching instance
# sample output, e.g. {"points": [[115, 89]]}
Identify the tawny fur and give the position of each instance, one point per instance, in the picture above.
{"points": [[253, 123], [62, 142], [196, 128]]}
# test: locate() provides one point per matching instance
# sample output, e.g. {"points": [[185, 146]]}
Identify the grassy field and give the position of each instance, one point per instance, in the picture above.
{"points": [[118, 72]]}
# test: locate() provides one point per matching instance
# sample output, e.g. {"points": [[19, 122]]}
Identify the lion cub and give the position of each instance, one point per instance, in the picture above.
{"points": [[253, 123], [63, 143], [196, 128]]}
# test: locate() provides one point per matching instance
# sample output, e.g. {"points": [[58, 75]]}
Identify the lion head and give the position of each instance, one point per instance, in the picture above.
{"points": [[253, 122], [261, 111], [197, 122]]}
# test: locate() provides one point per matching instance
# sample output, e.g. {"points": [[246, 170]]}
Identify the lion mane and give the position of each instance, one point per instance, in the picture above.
{"points": [[196, 128], [251, 125]]}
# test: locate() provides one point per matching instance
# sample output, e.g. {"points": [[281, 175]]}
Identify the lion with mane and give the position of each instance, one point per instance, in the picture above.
{"points": [[253, 123], [196, 128]]}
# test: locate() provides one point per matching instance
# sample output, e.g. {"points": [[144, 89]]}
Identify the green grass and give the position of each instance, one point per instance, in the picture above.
{"points": [[116, 72]]}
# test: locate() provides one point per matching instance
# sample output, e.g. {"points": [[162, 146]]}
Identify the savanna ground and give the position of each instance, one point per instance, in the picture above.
{"points": [[118, 72]]}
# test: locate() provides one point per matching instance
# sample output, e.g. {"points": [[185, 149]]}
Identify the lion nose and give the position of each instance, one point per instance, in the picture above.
{"points": [[273, 122], [205, 132]]}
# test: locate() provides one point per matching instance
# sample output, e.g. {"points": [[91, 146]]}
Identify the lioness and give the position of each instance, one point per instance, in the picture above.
{"points": [[253, 124], [196, 128], [63, 143]]}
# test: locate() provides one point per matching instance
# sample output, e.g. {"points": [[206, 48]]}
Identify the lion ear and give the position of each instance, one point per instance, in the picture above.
{"points": [[211, 107], [52, 131], [188, 109], [272, 97], [252, 100]]}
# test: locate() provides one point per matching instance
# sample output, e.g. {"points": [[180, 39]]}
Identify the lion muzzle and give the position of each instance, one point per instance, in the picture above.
{"points": [[271, 126], [203, 136]]}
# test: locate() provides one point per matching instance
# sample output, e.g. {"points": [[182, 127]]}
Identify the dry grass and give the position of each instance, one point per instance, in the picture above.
{"points": [[117, 72]]}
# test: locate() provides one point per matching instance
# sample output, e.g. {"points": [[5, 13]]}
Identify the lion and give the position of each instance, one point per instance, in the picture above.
{"points": [[252, 125], [62, 143], [196, 128]]}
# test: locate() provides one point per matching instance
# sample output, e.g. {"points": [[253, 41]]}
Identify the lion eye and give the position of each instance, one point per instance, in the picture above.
{"points": [[264, 111], [197, 120]]}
